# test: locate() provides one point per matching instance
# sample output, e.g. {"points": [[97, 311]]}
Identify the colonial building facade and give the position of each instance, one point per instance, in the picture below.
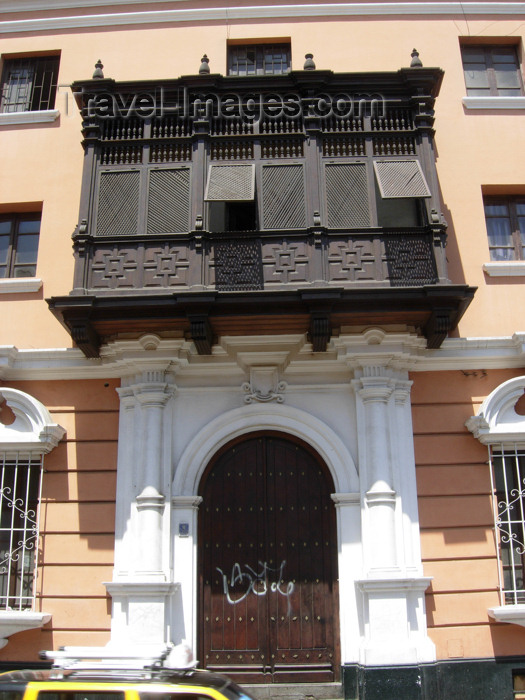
{"points": [[261, 368]]}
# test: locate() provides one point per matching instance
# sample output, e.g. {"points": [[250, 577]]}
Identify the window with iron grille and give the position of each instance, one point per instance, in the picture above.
{"points": [[508, 483], [492, 70], [29, 84], [19, 234], [20, 484], [259, 59], [505, 218]]}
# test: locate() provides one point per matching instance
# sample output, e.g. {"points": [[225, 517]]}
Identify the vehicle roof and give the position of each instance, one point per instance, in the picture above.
{"points": [[180, 677]]}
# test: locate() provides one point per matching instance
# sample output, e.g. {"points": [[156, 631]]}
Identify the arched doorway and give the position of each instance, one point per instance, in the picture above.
{"points": [[268, 563]]}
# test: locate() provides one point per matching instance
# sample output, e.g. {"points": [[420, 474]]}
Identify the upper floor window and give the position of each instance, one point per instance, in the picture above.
{"points": [[259, 59], [492, 71], [505, 218], [19, 234], [29, 84]]}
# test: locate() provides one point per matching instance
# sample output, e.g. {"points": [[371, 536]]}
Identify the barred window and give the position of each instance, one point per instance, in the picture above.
{"points": [[20, 485], [259, 59], [508, 483], [29, 84]]}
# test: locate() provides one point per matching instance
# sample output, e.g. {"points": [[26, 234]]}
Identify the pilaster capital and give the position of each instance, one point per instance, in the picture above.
{"points": [[402, 391], [373, 389]]}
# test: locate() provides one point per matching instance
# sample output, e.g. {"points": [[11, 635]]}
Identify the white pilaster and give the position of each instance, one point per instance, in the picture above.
{"points": [[391, 587], [184, 529], [142, 588], [350, 555]]}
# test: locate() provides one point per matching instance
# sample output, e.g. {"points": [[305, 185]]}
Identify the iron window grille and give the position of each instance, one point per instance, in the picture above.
{"points": [[19, 234], [259, 59], [20, 492], [492, 70], [505, 219], [29, 84], [508, 486]]}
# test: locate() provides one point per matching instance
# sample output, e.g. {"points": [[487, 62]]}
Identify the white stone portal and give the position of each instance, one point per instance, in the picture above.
{"points": [[360, 425]]}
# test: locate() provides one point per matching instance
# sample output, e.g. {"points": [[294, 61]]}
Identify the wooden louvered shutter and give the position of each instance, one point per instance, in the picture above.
{"points": [[400, 179], [283, 197], [118, 203], [169, 201], [347, 203], [230, 183]]}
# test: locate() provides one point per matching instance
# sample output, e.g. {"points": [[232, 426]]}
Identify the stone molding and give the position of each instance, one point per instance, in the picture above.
{"points": [[12, 621], [225, 14], [33, 429]]}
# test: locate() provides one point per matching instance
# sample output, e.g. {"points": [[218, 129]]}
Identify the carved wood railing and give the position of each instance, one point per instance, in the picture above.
{"points": [[252, 260]]}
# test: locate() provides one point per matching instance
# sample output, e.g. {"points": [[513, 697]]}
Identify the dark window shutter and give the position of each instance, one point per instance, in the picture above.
{"points": [[347, 195], [400, 178], [169, 201], [230, 183], [283, 197], [118, 203]]}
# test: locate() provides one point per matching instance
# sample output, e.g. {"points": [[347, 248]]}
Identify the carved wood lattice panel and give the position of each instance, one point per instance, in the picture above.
{"points": [[238, 265], [347, 195], [401, 178], [283, 197], [169, 201], [410, 261], [118, 203]]}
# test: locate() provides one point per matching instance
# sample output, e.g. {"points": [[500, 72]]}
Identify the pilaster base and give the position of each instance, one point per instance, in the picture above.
{"points": [[141, 613], [394, 622]]}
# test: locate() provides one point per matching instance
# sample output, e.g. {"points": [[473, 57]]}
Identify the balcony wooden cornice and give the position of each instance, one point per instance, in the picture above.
{"points": [[434, 310]]}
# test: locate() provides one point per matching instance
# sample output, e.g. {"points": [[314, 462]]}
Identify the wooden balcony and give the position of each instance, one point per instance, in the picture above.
{"points": [[342, 212]]}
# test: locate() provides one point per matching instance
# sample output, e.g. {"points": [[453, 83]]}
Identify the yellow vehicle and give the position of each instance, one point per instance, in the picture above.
{"points": [[81, 681]]}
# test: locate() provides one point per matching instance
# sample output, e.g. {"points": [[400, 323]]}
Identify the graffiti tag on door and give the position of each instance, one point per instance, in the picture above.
{"points": [[247, 580]]}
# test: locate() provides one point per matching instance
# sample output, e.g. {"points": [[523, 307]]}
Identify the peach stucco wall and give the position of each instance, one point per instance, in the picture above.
{"points": [[455, 510], [77, 519], [42, 163]]}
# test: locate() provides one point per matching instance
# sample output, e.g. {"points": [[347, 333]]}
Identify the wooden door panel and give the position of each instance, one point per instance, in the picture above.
{"points": [[267, 567]]}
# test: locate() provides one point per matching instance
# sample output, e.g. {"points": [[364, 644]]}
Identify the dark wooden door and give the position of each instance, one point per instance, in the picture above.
{"points": [[267, 573]]}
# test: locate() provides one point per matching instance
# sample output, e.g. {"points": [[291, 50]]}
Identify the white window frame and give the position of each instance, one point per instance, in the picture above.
{"points": [[501, 428], [29, 436]]}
